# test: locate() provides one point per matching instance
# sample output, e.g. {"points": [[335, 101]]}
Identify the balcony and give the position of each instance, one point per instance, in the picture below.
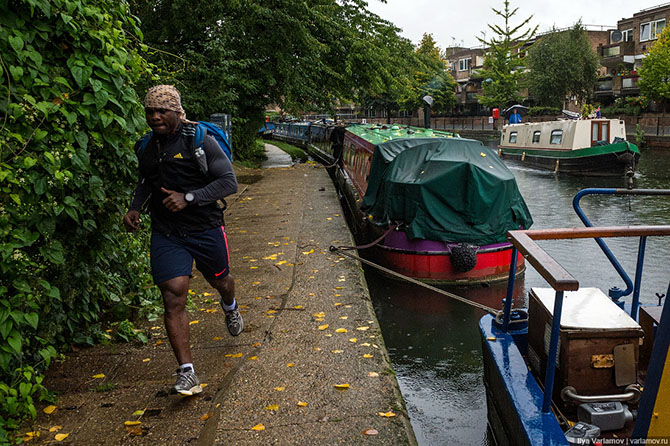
{"points": [[612, 55]]}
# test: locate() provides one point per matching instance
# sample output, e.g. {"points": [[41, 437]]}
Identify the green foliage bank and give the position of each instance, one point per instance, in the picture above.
{"points": [[69, 115]]}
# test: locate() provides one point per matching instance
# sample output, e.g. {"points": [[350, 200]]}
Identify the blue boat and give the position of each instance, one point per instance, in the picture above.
{"points": [[579, 366]]}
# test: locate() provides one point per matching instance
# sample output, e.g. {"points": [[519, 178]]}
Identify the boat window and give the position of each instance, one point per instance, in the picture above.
{"points": [[556, 136], [536, 137], [512, 137]]}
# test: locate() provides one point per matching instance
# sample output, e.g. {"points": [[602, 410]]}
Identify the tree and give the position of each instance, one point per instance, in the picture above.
{"points": [[430, 77], [654, 80], [503, 67], [239, 56], [562, 64]]}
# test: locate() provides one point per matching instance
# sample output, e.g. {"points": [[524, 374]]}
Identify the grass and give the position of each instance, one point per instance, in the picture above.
{"points": [[297, 154]]}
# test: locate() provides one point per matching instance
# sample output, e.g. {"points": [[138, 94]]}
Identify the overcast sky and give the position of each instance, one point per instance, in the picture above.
{"points": [[460, 22]]}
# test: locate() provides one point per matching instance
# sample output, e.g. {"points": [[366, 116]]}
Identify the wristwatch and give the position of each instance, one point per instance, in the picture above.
{"points": [[189, 197]]}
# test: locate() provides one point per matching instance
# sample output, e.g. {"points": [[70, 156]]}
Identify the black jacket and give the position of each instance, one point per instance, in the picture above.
{"points": [[171, 165]]}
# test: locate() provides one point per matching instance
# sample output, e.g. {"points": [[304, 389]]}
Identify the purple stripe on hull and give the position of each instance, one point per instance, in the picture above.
{"points": [[398, 240]]}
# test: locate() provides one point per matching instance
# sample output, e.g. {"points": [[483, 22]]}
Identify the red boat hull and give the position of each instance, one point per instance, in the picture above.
{"points": [[492, 265]]}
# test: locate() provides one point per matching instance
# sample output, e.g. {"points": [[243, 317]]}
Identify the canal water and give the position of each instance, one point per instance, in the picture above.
{"points": [[433, 341]]}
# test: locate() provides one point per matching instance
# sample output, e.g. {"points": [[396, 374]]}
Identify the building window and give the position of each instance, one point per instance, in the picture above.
{"points": [[627, 35], [464, 64], [512, 137], [536, 137], [651, 30], [556, 136]]}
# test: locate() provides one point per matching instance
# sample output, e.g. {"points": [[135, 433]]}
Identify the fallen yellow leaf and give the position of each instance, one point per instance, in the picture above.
{"points": [[344, 318], [255, 283], [33, 434], [280, 262], [206, 416], [388, 414], [193, 322], [55, 428], [341, 386], [156, 328], [365, 344], [373, 374], [256, 344], [217, 338], [207, 294], [370, 431], [353, 340], [323, 327], [280, 388], [363, 328], [138, 413], [253, 358], [338, 287], [336, 351], [337, 304], [234, 355], [271, 311], [341, 330], [132, 423], [61, 437], [298, 307], [258, 427], [302, 403], [49, 409], [321, 314], [99, 376], [158, 342], [212, 310], [290, 364], [272, 407], [367, 356]]}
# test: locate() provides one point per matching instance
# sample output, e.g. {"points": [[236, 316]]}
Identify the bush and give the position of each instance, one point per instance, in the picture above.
{"points": [[539, 111], [70, 116]]}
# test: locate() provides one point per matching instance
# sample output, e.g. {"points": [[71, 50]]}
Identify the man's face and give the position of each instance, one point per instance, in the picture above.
{"points": [[162, 121]]}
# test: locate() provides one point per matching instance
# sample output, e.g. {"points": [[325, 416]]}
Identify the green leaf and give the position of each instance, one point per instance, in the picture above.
{"points": [[40, 185], [101, 98], [22, 285], [17, 72], [82, 139], [81, 74], [53, 253], [106, 119], [29, 162], [14, 340], [32, 319], [16, 43], [15, 198], [6, 328]]}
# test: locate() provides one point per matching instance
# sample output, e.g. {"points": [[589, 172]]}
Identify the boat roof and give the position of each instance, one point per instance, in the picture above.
{"points": [[378, 134], [446, 189]]}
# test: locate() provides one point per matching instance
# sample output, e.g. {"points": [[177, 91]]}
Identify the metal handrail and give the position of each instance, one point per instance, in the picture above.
{"points": [[633, 394]]}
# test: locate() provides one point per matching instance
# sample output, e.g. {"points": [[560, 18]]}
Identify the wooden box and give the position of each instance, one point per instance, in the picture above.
{"points": [[592, 326]]}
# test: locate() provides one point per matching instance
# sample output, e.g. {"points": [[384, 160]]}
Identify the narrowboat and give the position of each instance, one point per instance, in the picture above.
{"points": [[437, 205], [595, 147], [579, 366]]}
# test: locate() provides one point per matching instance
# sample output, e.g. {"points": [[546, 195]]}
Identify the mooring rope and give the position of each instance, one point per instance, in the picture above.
{"points": [[343, 252], [369, 245]]}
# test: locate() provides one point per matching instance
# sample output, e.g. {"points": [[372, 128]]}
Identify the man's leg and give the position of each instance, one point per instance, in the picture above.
{"points": [[176, 320], [226, 288]]}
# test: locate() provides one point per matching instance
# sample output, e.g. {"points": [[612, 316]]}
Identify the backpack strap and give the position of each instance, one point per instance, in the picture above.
{"points": [[198, 151], [143, 143]]}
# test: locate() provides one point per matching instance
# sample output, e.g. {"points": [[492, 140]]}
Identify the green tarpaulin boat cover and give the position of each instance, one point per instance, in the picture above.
{"points": [[447, 189]]}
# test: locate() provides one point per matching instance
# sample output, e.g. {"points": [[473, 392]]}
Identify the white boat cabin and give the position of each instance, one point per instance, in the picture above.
{"points": [[562, 134]]}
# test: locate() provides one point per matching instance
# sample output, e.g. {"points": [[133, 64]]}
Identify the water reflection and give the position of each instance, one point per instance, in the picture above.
{"points": [[434, 341]]}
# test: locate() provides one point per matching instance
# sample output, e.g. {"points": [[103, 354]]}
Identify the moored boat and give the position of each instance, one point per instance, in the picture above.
{"points": [[449, 200], [578, 366], [582, 146]]}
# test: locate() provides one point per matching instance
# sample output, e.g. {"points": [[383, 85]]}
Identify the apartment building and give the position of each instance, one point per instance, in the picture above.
{"points": [[465, 64], [626, 47]]}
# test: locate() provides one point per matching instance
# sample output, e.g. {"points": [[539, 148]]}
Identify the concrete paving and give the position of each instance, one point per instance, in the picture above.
{"points": [[310, 368], [276, 157]]}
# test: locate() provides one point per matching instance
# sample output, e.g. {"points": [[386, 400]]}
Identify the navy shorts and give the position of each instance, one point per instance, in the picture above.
{"points": [[172, 255]]}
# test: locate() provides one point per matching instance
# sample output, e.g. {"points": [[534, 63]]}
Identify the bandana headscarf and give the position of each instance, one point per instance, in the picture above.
{"points": [[163, 96]]}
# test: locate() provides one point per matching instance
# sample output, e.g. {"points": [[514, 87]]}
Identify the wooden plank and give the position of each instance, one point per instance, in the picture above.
{"points": [[610, 231], [550, 269]]}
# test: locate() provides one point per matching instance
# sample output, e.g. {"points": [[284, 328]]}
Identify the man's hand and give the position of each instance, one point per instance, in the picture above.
{"points": [[174, 200], [132, 221]]}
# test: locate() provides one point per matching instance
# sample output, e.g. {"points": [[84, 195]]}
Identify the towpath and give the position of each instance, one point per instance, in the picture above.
{"points": [[310, 368]]}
